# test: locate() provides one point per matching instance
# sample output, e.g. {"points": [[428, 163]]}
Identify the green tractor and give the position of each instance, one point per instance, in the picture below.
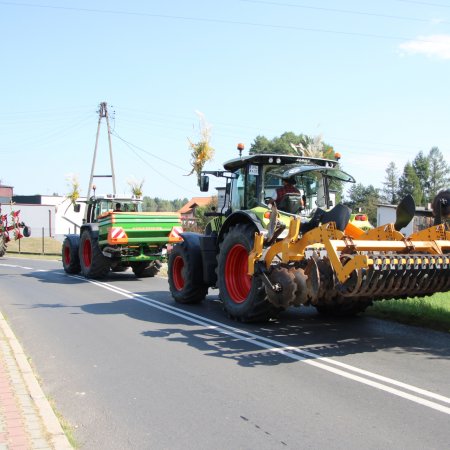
{"points": [[265, 257]]}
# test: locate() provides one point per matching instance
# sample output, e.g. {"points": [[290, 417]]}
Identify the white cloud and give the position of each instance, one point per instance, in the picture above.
{"points": [[437, 46]]}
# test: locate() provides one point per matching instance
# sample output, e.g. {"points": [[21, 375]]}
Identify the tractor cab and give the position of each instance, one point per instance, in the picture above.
{"points": [[98, 206], [253, 181]]}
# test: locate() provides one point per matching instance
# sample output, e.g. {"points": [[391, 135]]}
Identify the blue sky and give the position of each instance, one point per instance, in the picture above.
{"points": [[371, 78]]}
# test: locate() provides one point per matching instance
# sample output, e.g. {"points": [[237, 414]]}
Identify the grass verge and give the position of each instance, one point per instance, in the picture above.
{"points": [[35, 245], [429, 312]]}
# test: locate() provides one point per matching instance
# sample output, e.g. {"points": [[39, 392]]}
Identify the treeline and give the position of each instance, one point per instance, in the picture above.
{"points": [[422, 178], [156, 204]]}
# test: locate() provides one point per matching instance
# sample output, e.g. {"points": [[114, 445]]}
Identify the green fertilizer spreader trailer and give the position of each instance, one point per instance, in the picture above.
{"points": [[116, 234]]}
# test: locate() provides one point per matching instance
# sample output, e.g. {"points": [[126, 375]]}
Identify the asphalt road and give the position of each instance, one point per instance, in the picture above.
{"points": [[128, 368]]}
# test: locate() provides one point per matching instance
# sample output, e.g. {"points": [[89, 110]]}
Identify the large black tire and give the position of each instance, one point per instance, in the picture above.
{"points": [[70, 256], [92, 261], [184, 283], [146, 269], [2, 245], [244, 298]]}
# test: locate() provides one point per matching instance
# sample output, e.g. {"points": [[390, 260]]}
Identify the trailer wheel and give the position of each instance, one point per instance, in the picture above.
{"points": [[244, 297], [2, 245], [144, 269], [183, 283], [92, 261], [70, 257]]}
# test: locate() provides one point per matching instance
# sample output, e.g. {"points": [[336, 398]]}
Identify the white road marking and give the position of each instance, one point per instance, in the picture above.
{"points": [[344, 370], [16, 266], [295, 353]]}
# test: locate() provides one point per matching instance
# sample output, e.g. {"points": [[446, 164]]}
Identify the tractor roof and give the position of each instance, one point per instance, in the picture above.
{"points": [[115, 198], [264, 158], [332, 172]]}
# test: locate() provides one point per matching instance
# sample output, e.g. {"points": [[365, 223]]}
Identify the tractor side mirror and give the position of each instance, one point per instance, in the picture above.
{"points": [[76, 207], [204, 183]]}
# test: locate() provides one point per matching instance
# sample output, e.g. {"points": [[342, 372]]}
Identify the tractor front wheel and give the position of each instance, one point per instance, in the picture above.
{"points": [[92, 261], [244, 297]]}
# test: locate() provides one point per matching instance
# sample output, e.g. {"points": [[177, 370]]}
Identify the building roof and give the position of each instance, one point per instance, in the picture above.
{"points": [[193, 203]]}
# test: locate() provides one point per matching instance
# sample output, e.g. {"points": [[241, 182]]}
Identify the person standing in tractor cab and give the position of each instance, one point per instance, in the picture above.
{"points": [[288, 188]]}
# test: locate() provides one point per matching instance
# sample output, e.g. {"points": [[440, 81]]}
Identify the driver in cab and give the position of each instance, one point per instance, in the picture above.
{"points": [[280, 195]]}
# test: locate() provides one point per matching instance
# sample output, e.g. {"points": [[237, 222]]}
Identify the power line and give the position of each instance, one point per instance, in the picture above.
{"points": [[440, 5], [164, 176], [129, 144], [219, 21], [341, 11]]}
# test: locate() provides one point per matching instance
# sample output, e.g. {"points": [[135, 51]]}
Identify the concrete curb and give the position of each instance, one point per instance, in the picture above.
{"points": [[50, 422]]}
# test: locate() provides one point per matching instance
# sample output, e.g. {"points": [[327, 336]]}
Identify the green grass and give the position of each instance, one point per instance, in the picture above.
{"points": [[35, 245], [428, 312], [67, 428]]}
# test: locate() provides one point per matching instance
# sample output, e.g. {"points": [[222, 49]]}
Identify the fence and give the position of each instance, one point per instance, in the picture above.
{"points": [[39, 243]]}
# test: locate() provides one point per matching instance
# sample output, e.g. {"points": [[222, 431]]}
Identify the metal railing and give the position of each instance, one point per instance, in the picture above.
{"points": [[40, 242]]}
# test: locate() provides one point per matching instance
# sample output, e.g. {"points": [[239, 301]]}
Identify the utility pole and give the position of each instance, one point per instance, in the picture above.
{"points": [[102, 113]]}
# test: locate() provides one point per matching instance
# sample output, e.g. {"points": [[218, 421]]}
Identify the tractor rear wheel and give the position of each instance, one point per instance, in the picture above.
{"points": [[144, 269], [92, 261], [183, 281], [244, 297], [70, 257]]}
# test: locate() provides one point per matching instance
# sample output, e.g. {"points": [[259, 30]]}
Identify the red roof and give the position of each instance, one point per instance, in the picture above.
{"points": [[193, 203]]}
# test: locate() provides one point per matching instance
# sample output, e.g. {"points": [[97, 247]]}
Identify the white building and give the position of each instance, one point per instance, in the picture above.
{"points": [[47, 216], [423, 218]]}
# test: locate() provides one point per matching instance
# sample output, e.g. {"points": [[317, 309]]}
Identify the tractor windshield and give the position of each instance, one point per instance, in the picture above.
{"points": [[316, 185], [105, 205]]}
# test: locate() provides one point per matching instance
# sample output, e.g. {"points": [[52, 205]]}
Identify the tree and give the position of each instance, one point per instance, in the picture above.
{"points": [[159, 204], [439, 177], [409, 183], [390, 185], [421, 166], [179, 203], [149, 204], [290, 143], [278, 145], [163, 205], [364, 199]]}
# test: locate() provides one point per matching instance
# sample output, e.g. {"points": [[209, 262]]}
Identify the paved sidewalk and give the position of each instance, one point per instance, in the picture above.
{"points": [[27, 421]]}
